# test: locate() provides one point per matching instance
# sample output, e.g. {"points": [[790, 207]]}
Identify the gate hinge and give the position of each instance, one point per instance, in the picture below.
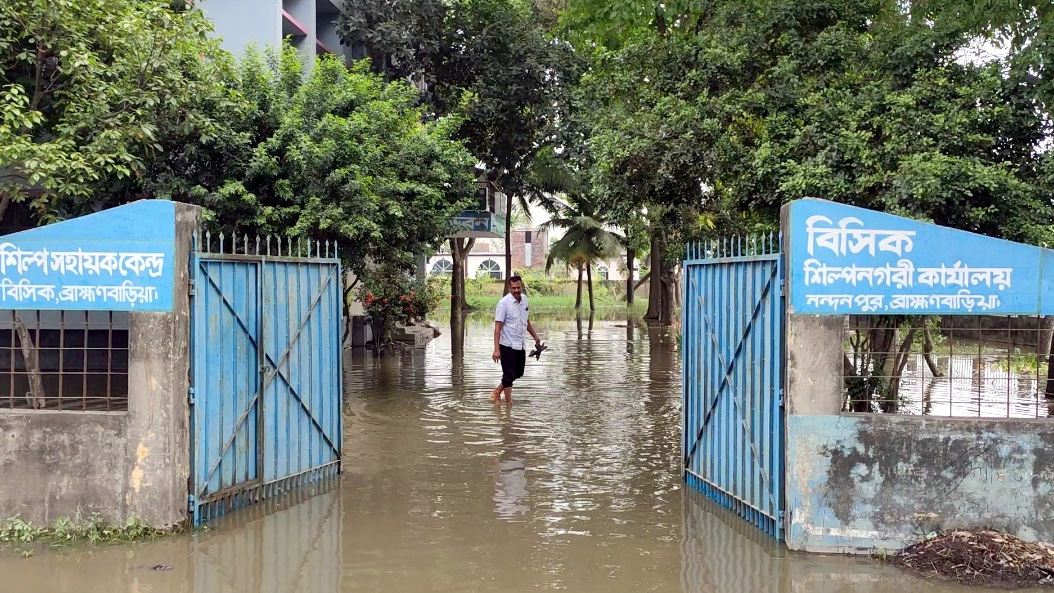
{"points": [[781, 396], [190, 287], [190, 395], [781, 287], [190, 503]]}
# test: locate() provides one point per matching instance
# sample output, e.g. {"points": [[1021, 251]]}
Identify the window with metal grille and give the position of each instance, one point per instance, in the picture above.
{"points": [[489, 268], [79, 357], [443, 267], [960, 366]]}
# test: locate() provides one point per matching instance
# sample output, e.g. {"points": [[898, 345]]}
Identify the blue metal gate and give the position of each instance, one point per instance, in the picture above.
{"points": [[732, 403], [265, 373]]}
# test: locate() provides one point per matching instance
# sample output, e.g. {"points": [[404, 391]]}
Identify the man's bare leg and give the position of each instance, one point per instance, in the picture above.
{"points": [[495, 396], [508, 395]]}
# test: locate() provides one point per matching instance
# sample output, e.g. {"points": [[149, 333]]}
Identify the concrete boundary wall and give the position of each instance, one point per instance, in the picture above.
{"points": [[861, 483], [118, 464]]}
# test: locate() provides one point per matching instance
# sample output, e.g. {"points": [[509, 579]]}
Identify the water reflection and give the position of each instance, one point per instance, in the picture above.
{"points": [[576, 487], [510, 477], [973, 384]]}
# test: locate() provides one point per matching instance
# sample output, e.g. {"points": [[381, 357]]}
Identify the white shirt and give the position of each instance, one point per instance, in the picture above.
{"points": [[513, 318]]}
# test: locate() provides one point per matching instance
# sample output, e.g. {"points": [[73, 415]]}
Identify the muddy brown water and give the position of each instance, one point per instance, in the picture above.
{"points": [[574, 488]]}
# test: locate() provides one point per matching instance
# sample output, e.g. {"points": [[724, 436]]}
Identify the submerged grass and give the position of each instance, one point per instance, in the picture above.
{"points": [[557, 302], [80, 529]]}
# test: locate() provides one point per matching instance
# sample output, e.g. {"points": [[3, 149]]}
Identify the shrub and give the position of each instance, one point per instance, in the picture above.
{"points": [[538, 283], [390, 297]]}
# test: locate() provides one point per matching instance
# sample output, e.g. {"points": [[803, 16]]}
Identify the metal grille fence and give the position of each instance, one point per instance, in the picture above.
{"points": [[81, 360], [952, 366]]}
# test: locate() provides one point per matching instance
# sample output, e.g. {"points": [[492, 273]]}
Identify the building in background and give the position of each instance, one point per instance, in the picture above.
{"points": [[311, 23], [530, 249], [487, 258]]}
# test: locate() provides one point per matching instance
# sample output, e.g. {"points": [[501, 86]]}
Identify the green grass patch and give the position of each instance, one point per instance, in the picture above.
{"points": [[66, 531], [553, 302]]}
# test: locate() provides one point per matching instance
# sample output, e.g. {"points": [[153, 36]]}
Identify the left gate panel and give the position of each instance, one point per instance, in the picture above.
{"points": [[226, 385]]}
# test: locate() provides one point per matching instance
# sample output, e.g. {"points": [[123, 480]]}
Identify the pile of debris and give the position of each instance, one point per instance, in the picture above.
{"points": [[986, 558]]}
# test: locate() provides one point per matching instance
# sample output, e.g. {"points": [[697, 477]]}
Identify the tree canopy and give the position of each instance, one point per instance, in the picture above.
{"points": [[846, 100], [90, 88], [493, 61], [334, 154], [673, 120]]}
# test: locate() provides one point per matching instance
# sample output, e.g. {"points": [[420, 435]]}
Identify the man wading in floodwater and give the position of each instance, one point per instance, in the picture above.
{"points": [[510, 323]]}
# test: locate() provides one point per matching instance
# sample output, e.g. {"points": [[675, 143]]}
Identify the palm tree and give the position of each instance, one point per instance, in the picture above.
{"points": [[586, 241]]}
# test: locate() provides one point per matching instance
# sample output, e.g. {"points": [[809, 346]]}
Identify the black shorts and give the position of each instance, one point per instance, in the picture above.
{"points": [[513, 363]]}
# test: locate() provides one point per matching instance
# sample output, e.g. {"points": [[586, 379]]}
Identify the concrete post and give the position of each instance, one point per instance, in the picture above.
{"points": [[813, 350], [158, 444], [814, 365]]}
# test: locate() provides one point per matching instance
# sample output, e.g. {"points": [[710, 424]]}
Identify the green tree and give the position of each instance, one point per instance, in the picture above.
{"points": [[89, 92], [491, 60], [337, 154], [851, 100], [586, 241]]}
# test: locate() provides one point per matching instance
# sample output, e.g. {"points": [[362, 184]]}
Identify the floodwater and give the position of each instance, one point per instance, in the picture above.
{"points": [[976, 385], [574, 488]]}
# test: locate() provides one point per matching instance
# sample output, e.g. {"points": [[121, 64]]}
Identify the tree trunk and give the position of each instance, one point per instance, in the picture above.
{"points": [[508, 243], [589, 283], [5, 201], [655, 291], [927, 352], [35, 395], [578, 297], [677, 290], [459, 253], [457, 278], [900, 361], [666, 282], [1045, 334], [630, 256]]}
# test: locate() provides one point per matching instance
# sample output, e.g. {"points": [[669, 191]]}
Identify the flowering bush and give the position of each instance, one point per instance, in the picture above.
{"points": [[390, 297]]}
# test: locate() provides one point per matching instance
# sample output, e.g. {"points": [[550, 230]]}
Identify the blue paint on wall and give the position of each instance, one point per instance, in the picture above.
{"points": [[121, 259], [848, 260], [858, 483]]}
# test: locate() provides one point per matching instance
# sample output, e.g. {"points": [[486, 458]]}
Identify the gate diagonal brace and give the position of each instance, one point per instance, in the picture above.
{"points": [[725, 381], [230, 306]]}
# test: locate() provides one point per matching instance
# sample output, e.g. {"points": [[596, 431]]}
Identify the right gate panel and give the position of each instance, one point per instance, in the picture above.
{"points": [[301, 362], [733, 449]]}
